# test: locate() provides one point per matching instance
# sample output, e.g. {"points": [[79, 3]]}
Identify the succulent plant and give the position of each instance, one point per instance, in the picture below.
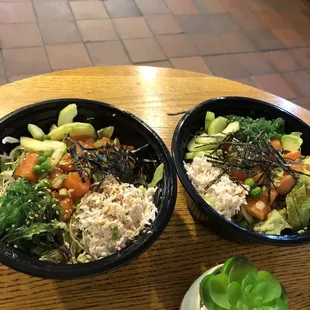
{"points": [[240, 286]]}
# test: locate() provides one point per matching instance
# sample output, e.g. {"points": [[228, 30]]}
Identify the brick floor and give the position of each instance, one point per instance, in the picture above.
{"points": [[262, 43]]}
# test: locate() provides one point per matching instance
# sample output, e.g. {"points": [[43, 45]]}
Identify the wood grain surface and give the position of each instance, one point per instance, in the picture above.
{"points": [[160, 277]]}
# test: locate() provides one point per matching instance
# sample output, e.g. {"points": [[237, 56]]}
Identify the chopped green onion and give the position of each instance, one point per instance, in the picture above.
{"points": [[41, 159], [48, 153], [46, 166], [115, 233], [46, 137], [37, 169], [256, 192]]}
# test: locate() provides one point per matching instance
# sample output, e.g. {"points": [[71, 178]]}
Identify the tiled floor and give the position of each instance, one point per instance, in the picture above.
{"points": [[265, 43]]}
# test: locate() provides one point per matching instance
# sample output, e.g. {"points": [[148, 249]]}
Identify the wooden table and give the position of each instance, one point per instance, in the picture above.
{"points": [[160, 277]]}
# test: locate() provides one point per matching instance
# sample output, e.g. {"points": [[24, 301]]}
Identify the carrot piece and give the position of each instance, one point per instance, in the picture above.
{"points": [[25, 168], [57, 178], [276, 144], [66, 163], [73, 181], [66, 208], [286, 184], [293, 155]]}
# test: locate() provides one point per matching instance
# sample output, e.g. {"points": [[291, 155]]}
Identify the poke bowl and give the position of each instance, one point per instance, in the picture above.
{"points": [[244, 166], [85, 188]]}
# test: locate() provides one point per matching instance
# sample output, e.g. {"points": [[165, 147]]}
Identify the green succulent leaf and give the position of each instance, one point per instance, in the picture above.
{"points": [[231, 262], [240, 270], [259, 292], [234, 293], [284, 295], [242, 306], [265, 276], [218, 290], [282, 304], [246, 293], [249, 279], [204, 292]]}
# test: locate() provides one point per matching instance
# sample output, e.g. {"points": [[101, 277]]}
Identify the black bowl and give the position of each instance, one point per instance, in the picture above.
{"points": [[130, 130], [190, 123]]}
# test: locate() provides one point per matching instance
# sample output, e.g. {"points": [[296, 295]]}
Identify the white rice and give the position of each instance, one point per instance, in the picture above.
{"points": [[119, 205], [226, 195]]}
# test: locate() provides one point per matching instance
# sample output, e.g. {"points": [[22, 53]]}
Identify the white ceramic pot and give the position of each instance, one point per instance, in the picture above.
{"points": [[191, 300]]}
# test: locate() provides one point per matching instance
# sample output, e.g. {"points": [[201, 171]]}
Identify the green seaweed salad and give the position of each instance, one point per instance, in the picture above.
{"points": [[44, 178], [266, 162]]}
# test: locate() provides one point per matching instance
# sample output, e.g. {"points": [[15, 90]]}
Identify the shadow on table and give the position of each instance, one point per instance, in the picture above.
{"points": [[156, 280]]}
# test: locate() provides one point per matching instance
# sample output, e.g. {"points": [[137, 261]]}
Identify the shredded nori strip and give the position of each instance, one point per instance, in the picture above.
{"points": [[118, 161]]}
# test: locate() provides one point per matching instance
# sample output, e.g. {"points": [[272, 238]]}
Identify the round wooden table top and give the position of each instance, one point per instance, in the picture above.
{"points": [[159, 278]]}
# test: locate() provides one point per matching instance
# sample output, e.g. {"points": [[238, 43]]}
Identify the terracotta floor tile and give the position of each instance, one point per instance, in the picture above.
{"points": [[264, 40], [132, 28], [159, 64], [209, 44], [302, 56], [184, 7], [88, 10], [281, 61], [122, 8], [271, 19], [222, 22], [225, 66], [53, 10], [284, 5], [258, 5], [237, 42], [15, 78], [304, 31], [67, 56], [144, 50], [299, 82], [247, 22], [194, 24], [163, 24], [209, 6], [19, 35], [97, 30], [275, 84], [255, 63], [245, 80], [296, 18], [107, 53], [195, 64], [19, 12], [151, 7], [3, 79], [177, 45], [31, 60], [289, 37], [60, 31], [235, 6]]}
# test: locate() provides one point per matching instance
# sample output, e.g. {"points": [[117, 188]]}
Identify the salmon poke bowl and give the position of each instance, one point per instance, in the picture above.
{"points": [[85, 188], [245, 168]]}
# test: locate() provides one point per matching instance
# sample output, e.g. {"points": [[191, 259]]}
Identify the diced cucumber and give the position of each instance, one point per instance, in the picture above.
{"points": [[291, 143], [35, 131], [116, 142], [106, 132], [58, 148], [208, 143], [231, 128], [74, 129], [218, 125], [192, 155], [210, 116], [158, 175], [53, 127], [67, 114]]}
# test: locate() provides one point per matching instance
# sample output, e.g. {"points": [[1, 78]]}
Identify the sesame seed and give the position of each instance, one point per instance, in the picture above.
{"points": [[15, 246], [29, 200], [36, 215]]}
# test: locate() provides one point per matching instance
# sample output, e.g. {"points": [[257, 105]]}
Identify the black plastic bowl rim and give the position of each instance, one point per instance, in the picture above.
{"points": [[33, 266], [231, 228]]}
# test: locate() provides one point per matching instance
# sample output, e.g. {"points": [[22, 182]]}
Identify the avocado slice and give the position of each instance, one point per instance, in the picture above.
{"points": [[58, 148], [302, 207], [306, 169], [210, 116], [74, 129], [232, 127], [291, 143], [292, 215], [218, 125]]}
